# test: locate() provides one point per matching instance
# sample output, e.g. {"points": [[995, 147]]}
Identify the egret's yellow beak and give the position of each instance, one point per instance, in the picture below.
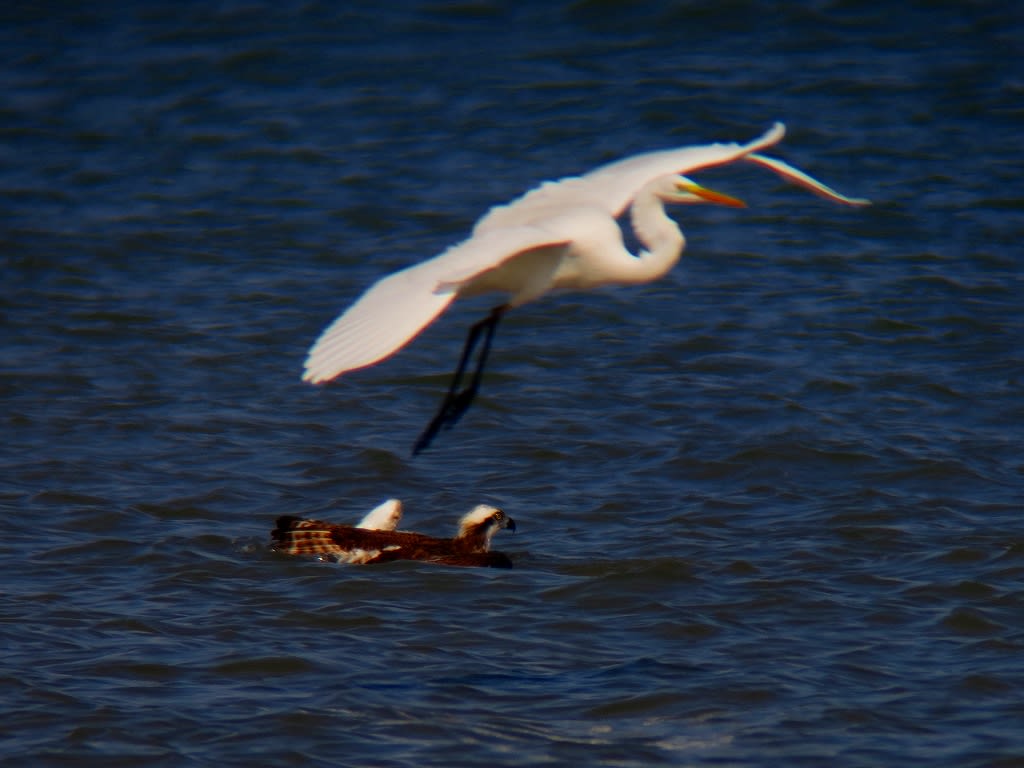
{"points": [[709, 195]]}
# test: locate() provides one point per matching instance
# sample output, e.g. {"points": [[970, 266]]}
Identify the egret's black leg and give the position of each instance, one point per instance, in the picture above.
{"points": [[463, 400], [456, 402]]}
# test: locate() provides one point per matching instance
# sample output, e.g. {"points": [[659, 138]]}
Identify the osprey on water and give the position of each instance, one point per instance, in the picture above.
{"points": [[375, 540]]}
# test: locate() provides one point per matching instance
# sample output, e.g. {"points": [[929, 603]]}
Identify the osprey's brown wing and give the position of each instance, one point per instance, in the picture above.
{"points": [[300, 536]]}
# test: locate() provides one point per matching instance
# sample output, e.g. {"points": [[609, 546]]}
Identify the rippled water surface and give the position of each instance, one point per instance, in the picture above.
{"points": [[769, 508]]}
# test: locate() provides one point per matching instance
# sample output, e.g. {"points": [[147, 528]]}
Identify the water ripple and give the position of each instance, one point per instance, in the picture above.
{"points": [[767, 506]]}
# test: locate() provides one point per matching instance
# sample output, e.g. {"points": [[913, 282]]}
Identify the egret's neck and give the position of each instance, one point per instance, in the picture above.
{"points": [[661, 236]]}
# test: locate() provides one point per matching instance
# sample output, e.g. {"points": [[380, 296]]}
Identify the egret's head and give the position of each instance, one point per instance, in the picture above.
{"points": [[679, 189]]}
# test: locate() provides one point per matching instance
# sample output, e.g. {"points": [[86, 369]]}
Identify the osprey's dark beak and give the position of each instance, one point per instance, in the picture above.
{"points": [[510, 524]]}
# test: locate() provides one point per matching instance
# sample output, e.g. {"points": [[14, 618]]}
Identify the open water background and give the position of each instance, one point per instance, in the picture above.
{"points": [[770, 507]]}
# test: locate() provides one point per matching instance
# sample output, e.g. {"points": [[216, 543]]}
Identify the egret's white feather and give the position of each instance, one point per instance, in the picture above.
{"points": [[560, 235], [614, 186], [396, 308], [788, 172]]}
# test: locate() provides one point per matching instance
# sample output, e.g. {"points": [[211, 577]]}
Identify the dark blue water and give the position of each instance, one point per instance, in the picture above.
{"points": [[769, 507]]}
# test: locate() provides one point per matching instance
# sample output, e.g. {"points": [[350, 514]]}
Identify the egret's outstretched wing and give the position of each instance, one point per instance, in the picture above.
{"points": [[613, 187], [620, 182], [396, 308], [788, 172]]}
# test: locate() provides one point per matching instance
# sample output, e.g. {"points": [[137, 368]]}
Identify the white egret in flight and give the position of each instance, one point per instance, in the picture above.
{"points": [[562, 235]]}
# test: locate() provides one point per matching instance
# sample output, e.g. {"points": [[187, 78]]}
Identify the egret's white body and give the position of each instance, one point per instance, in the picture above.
{"points": [[562, 235]]}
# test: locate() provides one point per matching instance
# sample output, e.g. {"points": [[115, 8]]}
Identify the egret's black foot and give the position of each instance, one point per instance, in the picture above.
{"points": [[447, 417], [456, 402]]}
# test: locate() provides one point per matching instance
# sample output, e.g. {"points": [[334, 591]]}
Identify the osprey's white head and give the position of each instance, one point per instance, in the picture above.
{"points": [[480, 524]]}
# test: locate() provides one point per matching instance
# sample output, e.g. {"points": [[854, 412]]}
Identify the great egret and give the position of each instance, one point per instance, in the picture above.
{"points": [[562, 235]]}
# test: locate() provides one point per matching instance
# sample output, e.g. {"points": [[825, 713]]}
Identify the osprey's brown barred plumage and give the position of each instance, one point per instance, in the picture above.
{"points": [[369, 545]]}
